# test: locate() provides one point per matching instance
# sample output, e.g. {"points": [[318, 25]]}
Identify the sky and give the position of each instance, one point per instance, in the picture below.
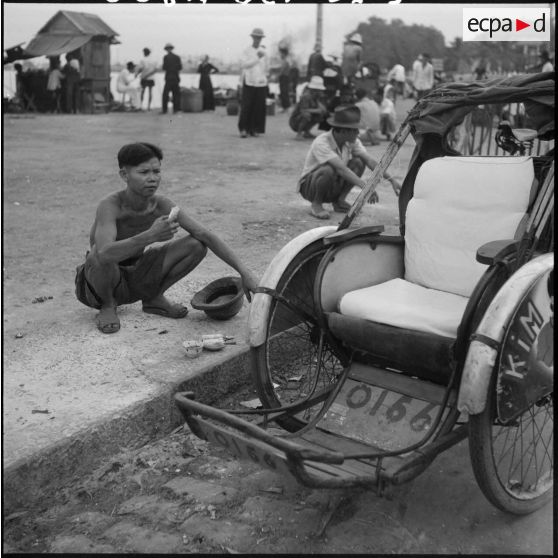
{"points": [[222, 30]]}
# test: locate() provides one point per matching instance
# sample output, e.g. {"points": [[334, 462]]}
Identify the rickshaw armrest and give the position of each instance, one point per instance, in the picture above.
{"points": [[496, 250], [348, 234]]}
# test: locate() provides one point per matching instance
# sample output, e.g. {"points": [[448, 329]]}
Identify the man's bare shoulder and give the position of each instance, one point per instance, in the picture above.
{"points": [[110, 204]]}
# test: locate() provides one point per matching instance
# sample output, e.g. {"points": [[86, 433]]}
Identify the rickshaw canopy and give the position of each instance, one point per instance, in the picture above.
{"points": [[437, 113], [447, 105]]}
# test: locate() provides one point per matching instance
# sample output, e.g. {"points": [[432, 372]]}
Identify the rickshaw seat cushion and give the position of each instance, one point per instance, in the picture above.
{"points": [[415, 353], [459, 204], [403, 304]]}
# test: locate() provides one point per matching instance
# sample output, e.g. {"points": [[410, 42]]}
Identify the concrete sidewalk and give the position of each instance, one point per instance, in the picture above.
{"points": [[102, 393]]}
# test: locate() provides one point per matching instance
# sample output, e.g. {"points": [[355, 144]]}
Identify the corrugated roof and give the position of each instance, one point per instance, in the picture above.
{"points": [[86, 24]]}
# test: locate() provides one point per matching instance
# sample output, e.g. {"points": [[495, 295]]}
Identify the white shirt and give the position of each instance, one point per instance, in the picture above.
{"points": [[148, 67], [547, 67], [254, 68], [54, 80], [324, 148], [423, 76], [387, 107], [369, 114], [397, 73], [125, 79]]}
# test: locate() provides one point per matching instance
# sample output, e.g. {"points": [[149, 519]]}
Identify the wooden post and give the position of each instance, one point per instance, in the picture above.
{"points": [[319, 24], [377, 175]]}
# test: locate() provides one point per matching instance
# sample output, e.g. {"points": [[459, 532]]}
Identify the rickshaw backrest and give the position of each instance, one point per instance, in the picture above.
{"points": [[459, 204]]}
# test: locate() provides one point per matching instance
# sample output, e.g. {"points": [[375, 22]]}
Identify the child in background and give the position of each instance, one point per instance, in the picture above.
{"points": [[387, 112], [54, 84], [390, 91], [369, 118]]}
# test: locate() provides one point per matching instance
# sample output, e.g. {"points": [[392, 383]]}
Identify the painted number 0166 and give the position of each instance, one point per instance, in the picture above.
{"points": [[360, 395]]}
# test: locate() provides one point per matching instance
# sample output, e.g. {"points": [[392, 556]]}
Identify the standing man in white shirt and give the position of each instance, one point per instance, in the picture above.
{"points": [[146, 70], [398, 74], [254, 65], [423, 76]]}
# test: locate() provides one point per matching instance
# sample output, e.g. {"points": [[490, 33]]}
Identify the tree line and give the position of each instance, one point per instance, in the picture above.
{"points": [[395, 42]]}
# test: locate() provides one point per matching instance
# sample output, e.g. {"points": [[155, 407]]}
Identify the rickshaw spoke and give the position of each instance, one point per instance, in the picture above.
{"points": [[524, 460]]}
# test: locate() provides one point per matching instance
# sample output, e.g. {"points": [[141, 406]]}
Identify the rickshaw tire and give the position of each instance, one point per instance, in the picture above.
{"points": [[259, 355], [481, 453]]}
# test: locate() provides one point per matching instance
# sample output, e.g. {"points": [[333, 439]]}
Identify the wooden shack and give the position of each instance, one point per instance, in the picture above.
{"points": [[88, 38]]}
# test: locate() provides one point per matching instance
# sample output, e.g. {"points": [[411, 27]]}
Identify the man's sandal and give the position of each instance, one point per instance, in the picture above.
{"points": [[175, 311], [323, 214]]}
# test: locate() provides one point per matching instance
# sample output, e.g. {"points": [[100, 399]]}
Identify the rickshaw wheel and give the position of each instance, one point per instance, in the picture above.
{"points": [[287, 367], [513, 463]]}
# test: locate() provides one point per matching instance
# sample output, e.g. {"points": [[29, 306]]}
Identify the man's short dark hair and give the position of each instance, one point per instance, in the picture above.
{"points": [[360, 93], [133, 154], [146, 51]]}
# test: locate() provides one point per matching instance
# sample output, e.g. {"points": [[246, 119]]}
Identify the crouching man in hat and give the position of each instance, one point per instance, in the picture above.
{"points": [[335, 163], [310, 110], [124, 265]]}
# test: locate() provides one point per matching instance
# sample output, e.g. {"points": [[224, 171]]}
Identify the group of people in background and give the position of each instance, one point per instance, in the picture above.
{"points": [[135, 80], [331, 84], [62, 84]]}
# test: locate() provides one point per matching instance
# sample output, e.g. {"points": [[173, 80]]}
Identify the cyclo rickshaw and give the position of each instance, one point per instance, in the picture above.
{"points": [[372, 353]]}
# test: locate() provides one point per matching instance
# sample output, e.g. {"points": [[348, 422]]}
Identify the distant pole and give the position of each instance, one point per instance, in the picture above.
{"points": [[319, 24]]}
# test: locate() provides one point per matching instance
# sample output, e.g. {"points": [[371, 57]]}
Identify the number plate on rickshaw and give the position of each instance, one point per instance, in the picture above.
{"points": [[240, 447], [379, 417]]}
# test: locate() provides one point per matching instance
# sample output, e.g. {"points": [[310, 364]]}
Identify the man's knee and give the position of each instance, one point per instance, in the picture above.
{"points": [[305, 121], [194, 248], [323, 177], [100, 273], [356, 165], [96, 260], [322, 184]]}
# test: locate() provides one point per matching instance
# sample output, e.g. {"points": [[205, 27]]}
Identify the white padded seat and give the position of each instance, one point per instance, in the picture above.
{"points": [[403, 304], [459, 204]]}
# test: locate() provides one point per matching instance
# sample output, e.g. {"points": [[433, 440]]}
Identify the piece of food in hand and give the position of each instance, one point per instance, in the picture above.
{"points": [[174, 213]]}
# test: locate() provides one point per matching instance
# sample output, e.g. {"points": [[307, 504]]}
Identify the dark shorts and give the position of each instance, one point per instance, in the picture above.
{"points": [[140, 281], [330, 190], [147, 82]]}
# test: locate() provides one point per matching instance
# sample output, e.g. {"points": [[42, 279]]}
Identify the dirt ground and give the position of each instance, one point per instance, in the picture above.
{"points": [[181, 495], [56, 168]]}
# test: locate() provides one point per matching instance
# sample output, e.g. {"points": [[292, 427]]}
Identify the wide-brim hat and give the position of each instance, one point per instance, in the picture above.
{"points": [[316, 82], [356, 38], [169, 45], [257, 32], [345, 117], [221, 299]]}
